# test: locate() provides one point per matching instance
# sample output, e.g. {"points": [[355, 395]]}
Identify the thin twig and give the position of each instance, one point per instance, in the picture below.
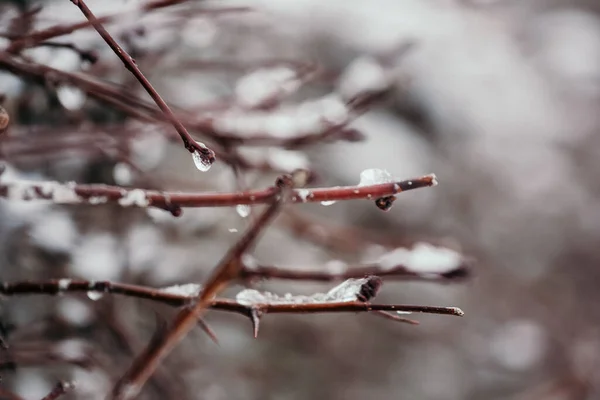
{"points": [[190, 144], [59, 390], [71, 193]]}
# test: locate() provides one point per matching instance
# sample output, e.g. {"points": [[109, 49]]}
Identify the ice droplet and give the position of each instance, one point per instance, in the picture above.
{"points": [[94, 295], [201, 162], [243, 210], [328, 202]]}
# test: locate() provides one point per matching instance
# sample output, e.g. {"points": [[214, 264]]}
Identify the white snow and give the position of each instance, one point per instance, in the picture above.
{"points": [[70, 97], [97, 257], [144, 245], [243, 210], [186, 290], [94, 295], [363, 75], [135, 197], [54, 231], [518, 344], [265, 85], [344, 292], [328, 202], [423, 258], [303, 194], [375, 176], [63, 284]]}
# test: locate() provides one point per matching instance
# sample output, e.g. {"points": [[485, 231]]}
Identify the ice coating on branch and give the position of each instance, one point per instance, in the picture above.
{"points": [[243, 210], [363, 75], [349, 290], [265, 85], [375, 176], [423, 258], [200, 161], [328, 202]]}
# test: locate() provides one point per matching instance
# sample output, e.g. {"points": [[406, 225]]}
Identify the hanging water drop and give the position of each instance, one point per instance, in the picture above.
{"points": [[202, 163], [94, 295], [328, 202], [243, 210], [385, 203]]}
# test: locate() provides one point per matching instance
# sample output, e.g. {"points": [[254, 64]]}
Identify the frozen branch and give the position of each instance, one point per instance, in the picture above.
{"points": [[72, 193]]}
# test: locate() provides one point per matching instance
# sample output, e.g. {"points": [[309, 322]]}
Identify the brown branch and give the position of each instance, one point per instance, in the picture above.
{"points": [[59, 390], [169, 297], [71, 193], [207, 156]]}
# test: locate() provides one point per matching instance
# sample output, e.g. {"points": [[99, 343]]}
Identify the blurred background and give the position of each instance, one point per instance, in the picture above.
{"points": [[499, 98]]}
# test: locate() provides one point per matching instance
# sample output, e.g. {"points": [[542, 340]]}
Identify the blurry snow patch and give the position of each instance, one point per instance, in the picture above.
{"points": [[31, 384], [10, 84], [54, 231], [187, 289], [148, 147], [265, 85], [75, 311], [144, 245], [336, 267], [568, 44], [518, 344], [287, 160], [364, 75], [423, 258], [348, 290], [375, 176], [71, 97], [199, 32], [71, 349], [122, 174], [92, 384], [97, 257]]}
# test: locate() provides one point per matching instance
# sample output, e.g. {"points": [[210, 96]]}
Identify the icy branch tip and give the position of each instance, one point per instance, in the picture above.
{"points": [[434, 181], [457, 311], [203, 156]]}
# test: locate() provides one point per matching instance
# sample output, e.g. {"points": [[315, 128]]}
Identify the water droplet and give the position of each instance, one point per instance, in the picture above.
{"points": [[243, 210], [94, 295], [202, 163], [385, 203], [328, 202]]}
